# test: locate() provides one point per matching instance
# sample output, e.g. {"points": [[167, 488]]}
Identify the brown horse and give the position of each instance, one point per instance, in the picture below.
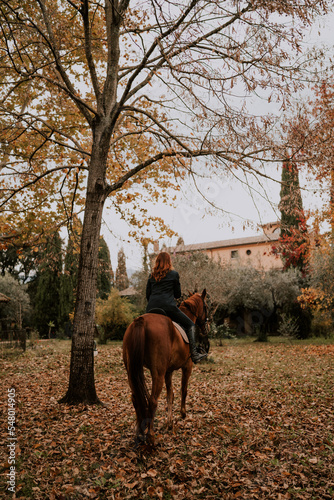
{"points": [[152, 341]]}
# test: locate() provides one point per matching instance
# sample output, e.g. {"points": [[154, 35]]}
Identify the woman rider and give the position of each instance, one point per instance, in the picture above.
{"points": [[163, 287]]}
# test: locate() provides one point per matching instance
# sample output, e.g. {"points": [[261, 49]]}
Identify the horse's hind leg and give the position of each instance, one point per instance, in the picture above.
{"points": [[157, 384], [140, 422], [170, 399], [186, 372]]}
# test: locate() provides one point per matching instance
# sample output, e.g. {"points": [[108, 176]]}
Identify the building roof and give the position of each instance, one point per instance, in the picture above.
{"points": [[4, 298], [250, 240], [128, 292]]}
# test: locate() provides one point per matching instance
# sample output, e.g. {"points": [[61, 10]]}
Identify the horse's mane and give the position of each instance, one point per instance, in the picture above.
{"points": [[191, 302]]}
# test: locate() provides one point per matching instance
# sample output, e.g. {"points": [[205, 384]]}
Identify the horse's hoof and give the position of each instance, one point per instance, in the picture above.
{"points": [[183, 414], [140, 440], [150, 440]]}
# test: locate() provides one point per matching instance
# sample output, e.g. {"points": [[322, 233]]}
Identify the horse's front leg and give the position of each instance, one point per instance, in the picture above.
{"points": [[186, 372], [170, 399]]}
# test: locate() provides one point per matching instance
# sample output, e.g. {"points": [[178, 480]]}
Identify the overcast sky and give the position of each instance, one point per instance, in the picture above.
{"points": [[244, 209]]}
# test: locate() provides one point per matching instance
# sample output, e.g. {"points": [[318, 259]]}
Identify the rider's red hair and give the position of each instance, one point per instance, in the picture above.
{"points": [[162, 266]]}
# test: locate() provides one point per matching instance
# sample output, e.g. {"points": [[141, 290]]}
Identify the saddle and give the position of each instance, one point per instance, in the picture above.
{"points": [[158, 310]]}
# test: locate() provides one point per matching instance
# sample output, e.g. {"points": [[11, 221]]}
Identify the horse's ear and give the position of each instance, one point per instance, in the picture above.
{"points": [[204, 294], [189, 294]]}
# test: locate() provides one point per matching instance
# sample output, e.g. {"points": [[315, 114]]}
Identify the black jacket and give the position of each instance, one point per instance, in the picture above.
{"points": [[164, 292]]}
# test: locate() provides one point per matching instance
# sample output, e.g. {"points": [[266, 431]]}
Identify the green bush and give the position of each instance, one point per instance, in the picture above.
{"points": [[322, 324], [221, 332], [113, 316], [288, 326], [33, 338], [60, 334]]}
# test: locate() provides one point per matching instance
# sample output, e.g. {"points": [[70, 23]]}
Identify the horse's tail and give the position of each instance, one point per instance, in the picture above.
{"points": [[135, 348]]}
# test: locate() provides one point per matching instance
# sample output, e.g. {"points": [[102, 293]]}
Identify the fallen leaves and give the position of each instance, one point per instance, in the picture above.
{"points": [[259, 426]]}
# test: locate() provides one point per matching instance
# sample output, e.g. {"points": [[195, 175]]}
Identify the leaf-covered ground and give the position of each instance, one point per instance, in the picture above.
{"points": [[260, 424]]}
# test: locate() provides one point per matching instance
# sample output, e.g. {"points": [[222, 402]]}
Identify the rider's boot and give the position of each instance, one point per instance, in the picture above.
{"points": [[195, 355]]}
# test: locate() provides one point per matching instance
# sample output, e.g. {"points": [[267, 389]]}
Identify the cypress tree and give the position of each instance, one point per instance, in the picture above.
{"points": [[70, 275], [48, 287], [293, 242], [122, 280], [291, 204], [105, 275], [145, 243]]}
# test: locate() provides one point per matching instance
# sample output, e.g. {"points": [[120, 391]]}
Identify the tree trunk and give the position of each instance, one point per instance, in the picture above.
{"points": [[81, 382]]}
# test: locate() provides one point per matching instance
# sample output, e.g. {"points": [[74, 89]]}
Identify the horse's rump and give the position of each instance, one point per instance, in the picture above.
{"points": [[150, 336]]}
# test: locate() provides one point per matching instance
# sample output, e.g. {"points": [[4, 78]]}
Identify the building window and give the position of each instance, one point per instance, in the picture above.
{"points": [[234, 254], [248, 252]]}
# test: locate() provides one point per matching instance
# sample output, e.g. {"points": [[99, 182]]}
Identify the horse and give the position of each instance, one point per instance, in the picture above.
{"points": [[152, 341]]}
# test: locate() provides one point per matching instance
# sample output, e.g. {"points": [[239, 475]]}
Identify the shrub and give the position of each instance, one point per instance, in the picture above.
{"points": [[33, 338], [113, 316], [322, 324], [288, 326]]}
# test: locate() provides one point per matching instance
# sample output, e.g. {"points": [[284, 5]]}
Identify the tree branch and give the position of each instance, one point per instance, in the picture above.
{"points": [[53, 46], [16, 191], [88, 50]]}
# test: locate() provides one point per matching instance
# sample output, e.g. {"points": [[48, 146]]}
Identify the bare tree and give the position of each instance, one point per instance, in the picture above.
{"points": [[100, 97]]}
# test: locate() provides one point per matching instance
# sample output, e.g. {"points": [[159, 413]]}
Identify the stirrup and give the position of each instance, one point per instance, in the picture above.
{"points": [[197, 357]]}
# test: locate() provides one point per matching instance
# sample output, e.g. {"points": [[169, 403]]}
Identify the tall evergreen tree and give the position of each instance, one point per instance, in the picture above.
{"points": [[105, 274], [47, 286], [69, 277], [291, 204], [122, 280], [146, 258], [293, 242]]}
